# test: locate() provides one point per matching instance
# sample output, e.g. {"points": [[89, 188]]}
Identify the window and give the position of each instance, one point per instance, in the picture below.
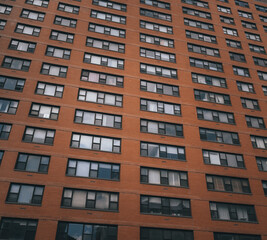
{"points": [[264, 89], [21, 45], [227, 184], [166, 42], [116, 32], [265, 28], [159, 55], [100, 97], [32, 163], [260, 61], [2, 24], [198, 24], [111, 4], [262, 75], [67, 22], [259, 142], [106, 45], [102, 78], [264, 185], [223, 236], [261, 8], [245, 14], [68, 8], [224, 9], [262, 163], [61, 36], [96, 143], [203, 50], [91, 169], [164, 177], [28, 29], [54, 70], [103, 60], [159, 88], [219, 136], [158, 70], [250, 103], [49, 89], [209, 80], [16, 63], [197, 13], [200, 63], [89, 199], [200, 36], [18, 228], [241, 3], [233, 43], [98, 119], [156, 3], [237, 57], [71, 230], [58, 52], [25, 194], [165, 206], [241, 71], [249, 25], [215, 116], [8, 105], [232, 212], [157, 150], [257, 48], [227, 20], [225, 1], [1, 155], [252, 36], [108, 17], [255, 122], [206, 96], [154, 14], [5, 129], [160, 107], [196, 3], [245, 87], [263, 18], [5, 9], [39, 135], [162, 128], [156, 27], [40, 3], [34, 15], [230, 31], [11, 83], [44, 111]]}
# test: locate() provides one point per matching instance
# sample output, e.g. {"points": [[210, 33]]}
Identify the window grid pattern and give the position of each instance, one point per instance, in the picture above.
{"points": [[212, 97], [241, 71], [111, 5], [227, 20], [234, 236], [200, 36], [255, 122], [48, 89], [54, 70], [28, 29], [160, 107], [5, 129], [257, 48], [155, 40], [108, 17], [160, 88], [260, 61], [209, 80], [68, 8], [159, 55], [250, 103], [203, 50], [201, 63], [62, 36], [245, 87], [2, 24], [8, 105], [106, 45], [20, 45], [258, 142], [196, 3], [156, 27], [44, 111], [233, 43], [40, 3], [198, 24], [106, 30], [245, 14], [158, 70], [230, 31], [237, 57], [58, 52], [67, 22], [16, 63], [262, 75], [224, 9], [253, 36], [11, 83], [197, 13], [215, 116], [104, 61], [262, 163], [155, 14], [33, 15], [5, 9], [39, 135], [156, 3]]}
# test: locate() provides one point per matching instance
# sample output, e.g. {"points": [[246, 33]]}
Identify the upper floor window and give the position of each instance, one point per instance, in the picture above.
{"points": [[166, 42], [215, 116], [62, 36], [160, 107], [219, 136], [21, 45], [165, 206], [5, 9], [92, 169], [25, 194], [262, 75], [8, 105], [200, 63], [63, 21], [156, 3], [245, 14], [1, 155], [34, 15], [40, 3], [106, 45], [198, 24], [209, 80], [227, 184], [112, 31], [261, 8], [68, 8], [227, 20], [44, 111], [241, 3], [223, 159], [260, 61], [245, 87], [48, 89], [158, 70], [222, 236], [155, 14], [197, 3], [32, 163], [197, 13], [108, 17], [2, 24], [230, 31], [250, 103], [162, 128], [96, 143], [201, 36], [262, 163], [241, 71], [203, 50], [54, 70], [103, 60], [253, 36], [58, 52], [11, 83], [150, 233], [111, 4], [28, 29], [102, 78], [249, 25], [233, 43], [165, 177], [156, 27], [206, 96], [16, 63], [160, 88], [255, 122], [265, 28], [263, 18], [237, 57], [258, 141], [264, 89], [159, 55], [257, 48], [224, 9], [232, 212], [39, 135], [100, 97], [98, 119], [5, 129]]}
